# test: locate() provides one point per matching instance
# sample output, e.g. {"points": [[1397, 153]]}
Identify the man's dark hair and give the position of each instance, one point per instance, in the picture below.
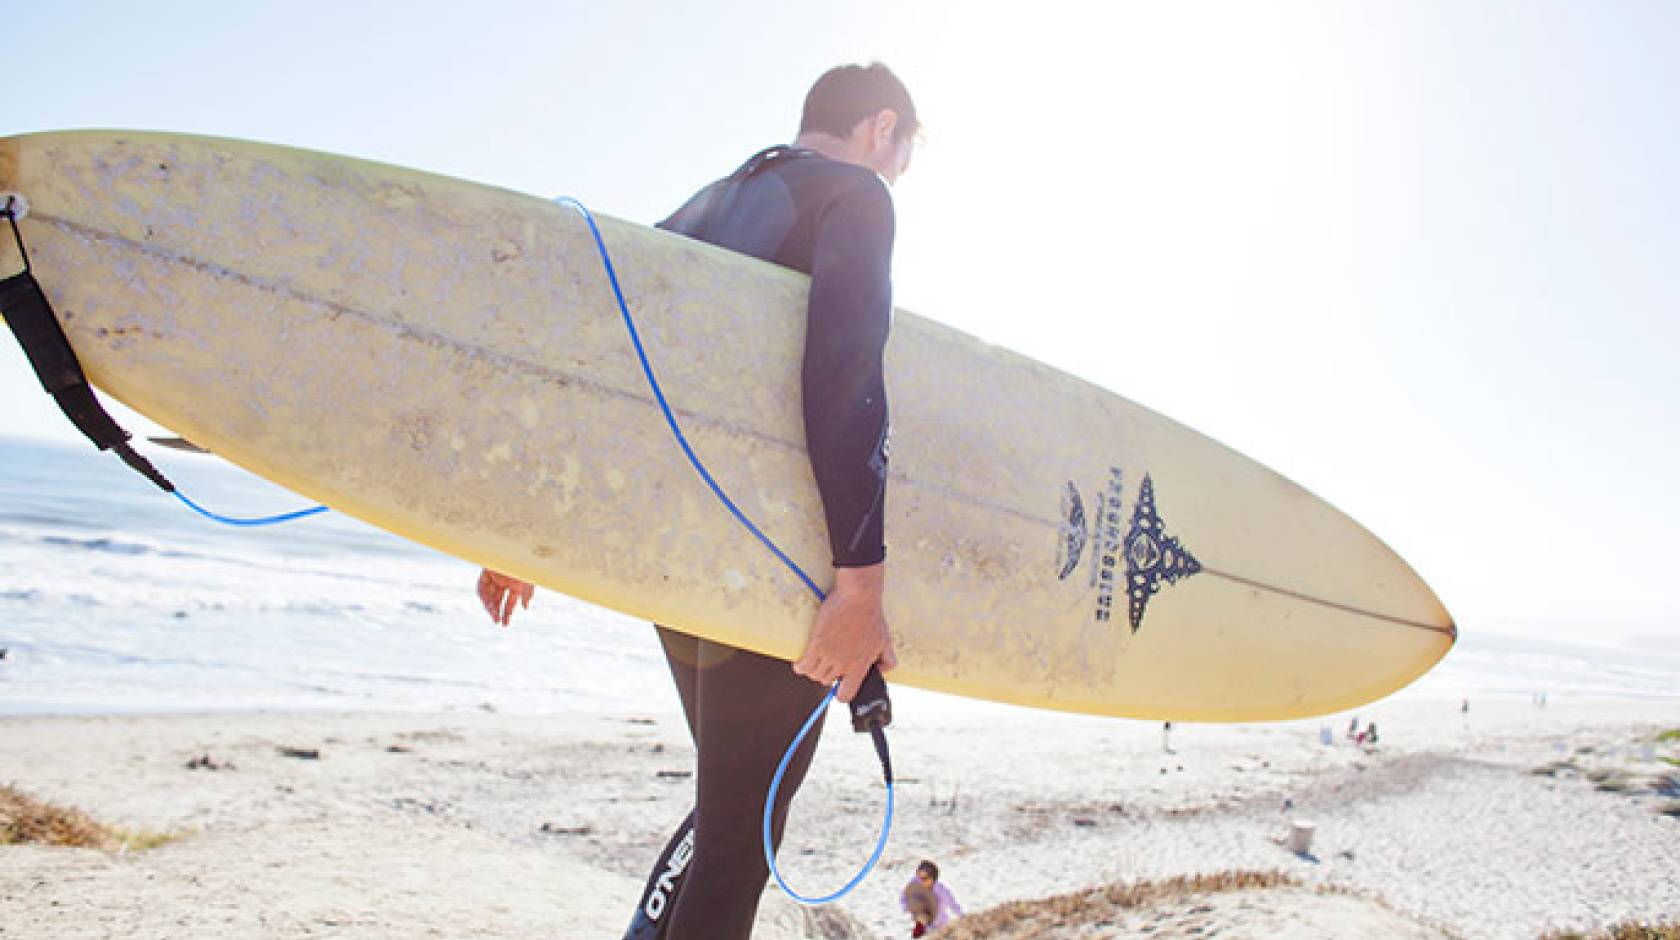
{"points": [[847, 94], [929, 867]]}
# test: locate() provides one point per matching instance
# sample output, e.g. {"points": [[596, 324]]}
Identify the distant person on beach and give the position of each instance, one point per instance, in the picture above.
{"points": [[1368, 737], [929, 902], [1166, 736], [821, 205]]}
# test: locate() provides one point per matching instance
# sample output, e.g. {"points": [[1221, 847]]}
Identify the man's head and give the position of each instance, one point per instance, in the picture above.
{"points": [[861, 114]]}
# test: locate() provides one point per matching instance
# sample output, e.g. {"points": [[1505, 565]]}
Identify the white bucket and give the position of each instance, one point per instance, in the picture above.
{"points": [[1300, 837]]}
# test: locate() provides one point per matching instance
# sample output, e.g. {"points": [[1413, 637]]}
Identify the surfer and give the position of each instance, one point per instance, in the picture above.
{"points": [[822, 206]]}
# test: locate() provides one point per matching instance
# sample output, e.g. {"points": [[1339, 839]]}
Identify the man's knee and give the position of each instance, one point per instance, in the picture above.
{"points": [[729, 859]]}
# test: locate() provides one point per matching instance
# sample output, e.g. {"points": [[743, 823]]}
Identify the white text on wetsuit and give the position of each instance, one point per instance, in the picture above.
{"points": [[667, 883]]}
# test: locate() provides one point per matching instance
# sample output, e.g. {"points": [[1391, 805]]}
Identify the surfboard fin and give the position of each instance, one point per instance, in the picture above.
{"points": [[178, 443]]}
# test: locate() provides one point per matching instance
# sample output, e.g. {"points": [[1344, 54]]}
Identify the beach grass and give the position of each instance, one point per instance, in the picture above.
{"points": [[1627, 930], [1611, 781], [139, 840], [25, 820], [1669, 736], [1094, 905], [1554, 768]]}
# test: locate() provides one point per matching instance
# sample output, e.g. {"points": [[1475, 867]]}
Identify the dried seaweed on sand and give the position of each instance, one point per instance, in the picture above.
{"points": [[24, 819], [1095, 904]]}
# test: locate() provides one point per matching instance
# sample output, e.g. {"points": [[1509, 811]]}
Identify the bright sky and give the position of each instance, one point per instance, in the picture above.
{"points": [[1423, 258]]}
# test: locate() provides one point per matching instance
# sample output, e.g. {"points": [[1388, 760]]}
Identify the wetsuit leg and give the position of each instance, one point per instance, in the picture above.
{"points": [[682, 654], [660, 893], [743, 709]]}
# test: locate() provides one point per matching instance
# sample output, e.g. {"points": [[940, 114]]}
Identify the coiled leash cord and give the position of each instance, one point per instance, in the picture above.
{"points": [[871, 710]]}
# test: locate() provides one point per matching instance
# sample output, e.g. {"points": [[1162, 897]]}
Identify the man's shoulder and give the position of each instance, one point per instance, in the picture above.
{"points": [[856, 205], [836, 179]]}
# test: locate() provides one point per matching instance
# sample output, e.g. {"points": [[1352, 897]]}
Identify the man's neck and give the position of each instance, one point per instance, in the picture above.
{"points": [[830, 146]]}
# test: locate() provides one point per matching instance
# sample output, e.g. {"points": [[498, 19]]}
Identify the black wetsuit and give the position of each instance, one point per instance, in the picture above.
{"points": [[833, 221]]}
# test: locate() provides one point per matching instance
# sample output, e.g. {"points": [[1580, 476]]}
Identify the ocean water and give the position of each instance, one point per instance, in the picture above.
{"points": [[1492, 664], [115, 597]]}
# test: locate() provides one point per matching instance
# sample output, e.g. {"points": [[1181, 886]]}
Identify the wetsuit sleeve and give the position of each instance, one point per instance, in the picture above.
{"points": [[845, 401]]}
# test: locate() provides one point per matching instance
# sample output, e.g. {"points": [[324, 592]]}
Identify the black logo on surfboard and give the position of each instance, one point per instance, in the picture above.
{"points": [[1072, 544], [1152, 556], [1144, 559]]}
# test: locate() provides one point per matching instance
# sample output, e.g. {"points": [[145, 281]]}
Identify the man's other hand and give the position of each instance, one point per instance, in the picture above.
{"points": [[850, 633], [502, 593]]}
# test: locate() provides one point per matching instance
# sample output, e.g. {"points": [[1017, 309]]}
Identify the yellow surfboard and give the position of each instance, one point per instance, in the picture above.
{"points": [[447, 361]]}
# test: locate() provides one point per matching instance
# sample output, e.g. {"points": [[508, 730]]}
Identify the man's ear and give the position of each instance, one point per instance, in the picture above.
{"points": [[883, 125]]}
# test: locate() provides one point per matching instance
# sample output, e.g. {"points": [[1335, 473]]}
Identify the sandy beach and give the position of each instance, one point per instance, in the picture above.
{"points": [[1505, 822]]}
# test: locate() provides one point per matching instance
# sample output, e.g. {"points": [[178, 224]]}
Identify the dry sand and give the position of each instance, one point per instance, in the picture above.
{"points": [[482, 825]]}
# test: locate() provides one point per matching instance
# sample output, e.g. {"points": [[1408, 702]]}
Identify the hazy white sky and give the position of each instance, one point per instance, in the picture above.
{"points": [[1423, 258]]}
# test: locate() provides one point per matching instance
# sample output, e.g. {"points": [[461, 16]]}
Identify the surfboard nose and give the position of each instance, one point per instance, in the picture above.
{"points": [[8, 163], [11, 181], [12, 201]]}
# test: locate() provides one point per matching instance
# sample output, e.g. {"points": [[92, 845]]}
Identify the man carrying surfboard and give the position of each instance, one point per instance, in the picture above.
{"points": [[820, 205]]}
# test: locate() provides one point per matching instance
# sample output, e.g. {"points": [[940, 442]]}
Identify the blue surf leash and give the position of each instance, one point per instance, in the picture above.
{"points": [[871, 709], [248, 522]]}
